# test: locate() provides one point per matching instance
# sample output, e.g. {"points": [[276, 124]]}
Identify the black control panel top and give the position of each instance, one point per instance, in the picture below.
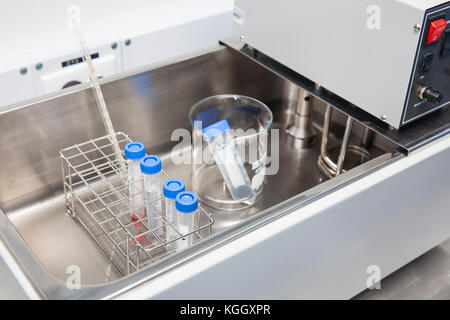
{"points": [[430, 83]]}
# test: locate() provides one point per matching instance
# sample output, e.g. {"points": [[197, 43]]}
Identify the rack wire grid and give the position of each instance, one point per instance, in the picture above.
{"points": [[97, 193]]}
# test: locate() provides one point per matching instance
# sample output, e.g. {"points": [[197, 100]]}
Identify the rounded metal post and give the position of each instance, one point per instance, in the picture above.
{"points": [[300, 133], [344, 146]]}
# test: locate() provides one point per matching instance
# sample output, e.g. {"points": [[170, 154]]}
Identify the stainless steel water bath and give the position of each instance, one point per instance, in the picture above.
{"points": [[314, 236]]}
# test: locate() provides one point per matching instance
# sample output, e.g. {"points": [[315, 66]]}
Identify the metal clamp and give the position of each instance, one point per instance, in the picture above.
{"points": [[327, 166]]}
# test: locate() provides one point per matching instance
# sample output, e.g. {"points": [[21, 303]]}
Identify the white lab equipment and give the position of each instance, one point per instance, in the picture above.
{"points": [[171, 189], [134, 152], [151, 168], [222, 146], [186, 204]]}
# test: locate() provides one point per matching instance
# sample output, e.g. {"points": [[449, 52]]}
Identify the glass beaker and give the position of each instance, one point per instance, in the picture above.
{"points": [[229, 134]]}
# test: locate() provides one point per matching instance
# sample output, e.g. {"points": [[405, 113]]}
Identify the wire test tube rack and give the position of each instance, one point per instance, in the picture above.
{"points": [[97, 194]]}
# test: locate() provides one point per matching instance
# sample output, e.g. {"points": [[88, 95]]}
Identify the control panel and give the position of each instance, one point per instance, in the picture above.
{"points": [[429, 89]]}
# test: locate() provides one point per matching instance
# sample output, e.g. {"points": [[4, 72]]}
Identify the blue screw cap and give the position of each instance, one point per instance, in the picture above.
{"points": [[150, 164], [216, 128], [172, 187], [186, 202], [134, 150]]}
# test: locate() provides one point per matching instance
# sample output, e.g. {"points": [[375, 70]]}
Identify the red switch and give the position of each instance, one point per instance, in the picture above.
{"points": [[436, 29]]}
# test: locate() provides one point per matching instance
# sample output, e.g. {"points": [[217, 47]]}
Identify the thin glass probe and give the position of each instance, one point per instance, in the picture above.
{"points": [[101, 103]]}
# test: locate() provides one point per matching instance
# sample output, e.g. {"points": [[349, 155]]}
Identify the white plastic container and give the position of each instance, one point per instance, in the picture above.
{"points": [[171, 189], [186, 204], [134, 152], [223, 149], [151, 169]]}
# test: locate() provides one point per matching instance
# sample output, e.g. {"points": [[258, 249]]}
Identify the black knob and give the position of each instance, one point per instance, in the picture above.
{"points": [[431, 95]]}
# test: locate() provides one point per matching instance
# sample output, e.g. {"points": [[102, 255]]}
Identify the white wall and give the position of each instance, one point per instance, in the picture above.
{"points": [[35, 31]]}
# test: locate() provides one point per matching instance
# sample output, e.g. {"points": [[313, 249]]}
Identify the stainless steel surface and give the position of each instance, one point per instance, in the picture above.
{"points": [[427, 277], [58, 242], [98, 193], [301, 132], [148, 106], [409, 137]]}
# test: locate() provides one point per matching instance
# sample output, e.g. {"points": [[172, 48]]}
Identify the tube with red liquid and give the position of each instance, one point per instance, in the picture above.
{"points": [[134, 152]]}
